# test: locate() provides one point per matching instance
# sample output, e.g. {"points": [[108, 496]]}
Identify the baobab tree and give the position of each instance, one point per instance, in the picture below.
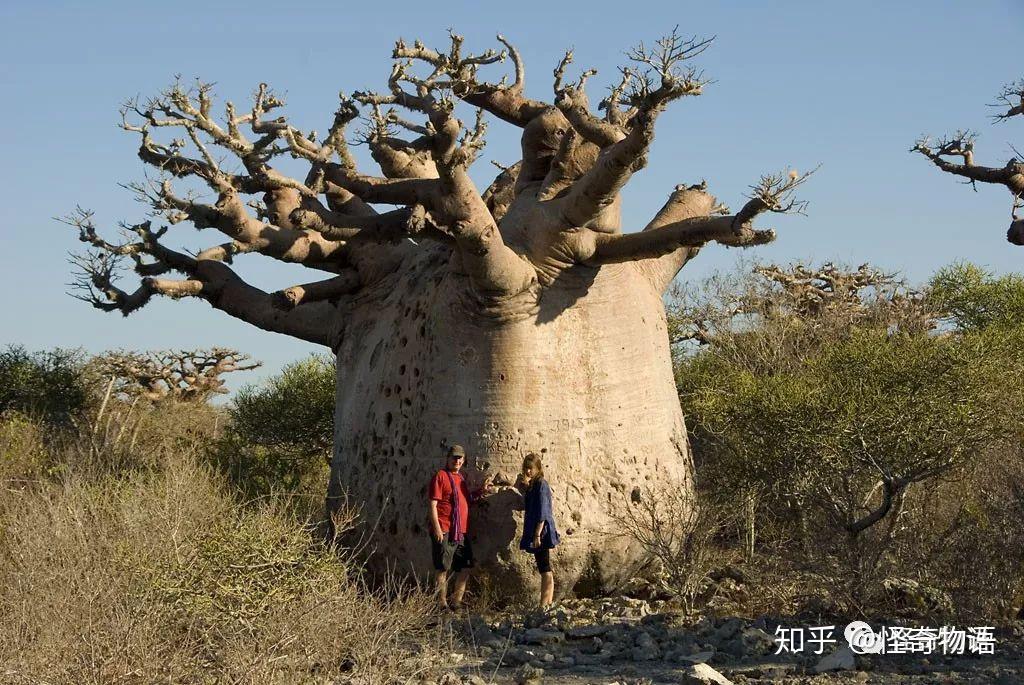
{"points": [[1009, 103], [177, 375], [517, 319]]}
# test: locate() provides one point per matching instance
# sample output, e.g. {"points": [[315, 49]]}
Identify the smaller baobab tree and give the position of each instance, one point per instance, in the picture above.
{"points": [[1010, 103], [179, 375]]}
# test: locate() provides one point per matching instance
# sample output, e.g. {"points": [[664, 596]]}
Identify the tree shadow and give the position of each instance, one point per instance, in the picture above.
{"points": [[568, 287]]}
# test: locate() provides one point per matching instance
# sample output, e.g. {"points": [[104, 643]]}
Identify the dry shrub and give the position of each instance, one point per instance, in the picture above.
{"points": [[158, 574], [676, 533], [966, 537]]}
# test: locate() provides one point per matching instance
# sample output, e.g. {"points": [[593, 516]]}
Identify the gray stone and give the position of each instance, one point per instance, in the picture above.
{"points": [[840, 660], [497, 644], [540, 636], [729, 629], [651, 653], [643, 639], [517, 655], [705, 626], [702, 674], [592, 630], [757, 642], [528, 675], [697, 658], [733, 647], [598, 659]]}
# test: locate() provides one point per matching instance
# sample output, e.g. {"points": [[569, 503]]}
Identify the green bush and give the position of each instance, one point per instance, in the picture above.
{"points": [[974, 298], [835, 420], [281, 431], [293, 411], [47, 384]]}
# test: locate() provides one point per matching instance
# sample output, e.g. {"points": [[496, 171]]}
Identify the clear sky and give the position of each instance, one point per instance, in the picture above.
{"points": [[849, 85]]}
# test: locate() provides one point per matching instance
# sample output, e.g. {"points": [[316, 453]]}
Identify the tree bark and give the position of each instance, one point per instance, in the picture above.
{"points": [[574, 376]]}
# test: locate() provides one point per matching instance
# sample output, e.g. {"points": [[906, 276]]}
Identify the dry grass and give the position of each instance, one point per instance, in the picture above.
{"points": [[138, 565]]}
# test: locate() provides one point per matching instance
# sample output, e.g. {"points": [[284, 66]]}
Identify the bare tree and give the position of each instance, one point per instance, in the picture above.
{"points": [[1009, 103], [826, 296], [521, 318], [182, 375]]}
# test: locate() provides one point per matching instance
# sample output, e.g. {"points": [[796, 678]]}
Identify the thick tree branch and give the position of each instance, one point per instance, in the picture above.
{"points": [[343, 284], [499, 195], [598, 188], [694, 232], [573, 102], [390, 226], [209, 279], [961, 144]]}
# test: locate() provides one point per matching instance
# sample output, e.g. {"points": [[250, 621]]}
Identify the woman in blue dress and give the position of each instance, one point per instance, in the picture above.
{"points": [[539, 532]]}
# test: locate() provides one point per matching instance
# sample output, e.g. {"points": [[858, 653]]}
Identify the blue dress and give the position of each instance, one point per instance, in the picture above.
{"points": [[538, 508]]}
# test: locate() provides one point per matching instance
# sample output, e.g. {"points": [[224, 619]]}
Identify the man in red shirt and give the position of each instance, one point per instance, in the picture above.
{"points": [[449, 520]]}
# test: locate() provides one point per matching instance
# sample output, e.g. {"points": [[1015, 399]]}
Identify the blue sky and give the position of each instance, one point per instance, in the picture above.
{"points": [[847, 85]]}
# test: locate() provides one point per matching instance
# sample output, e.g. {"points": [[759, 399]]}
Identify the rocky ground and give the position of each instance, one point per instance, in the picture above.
{"points": [[634, 641]]}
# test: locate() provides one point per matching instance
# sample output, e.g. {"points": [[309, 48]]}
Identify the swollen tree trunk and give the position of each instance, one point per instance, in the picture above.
{"points": [[580, 376], [521, 319]]}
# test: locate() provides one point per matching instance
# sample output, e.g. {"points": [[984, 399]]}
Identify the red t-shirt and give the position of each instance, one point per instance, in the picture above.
{"points": [[441, 492]]}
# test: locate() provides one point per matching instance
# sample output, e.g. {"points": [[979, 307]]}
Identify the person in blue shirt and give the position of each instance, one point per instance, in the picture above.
{"points": [[540, 535]]}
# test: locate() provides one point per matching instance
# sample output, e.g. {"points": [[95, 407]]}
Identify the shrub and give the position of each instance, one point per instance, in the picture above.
{"points": [[676, 533], [46, 384], [281, 431], [159, 575], [839, 419], [293, 411], [973, 298]]}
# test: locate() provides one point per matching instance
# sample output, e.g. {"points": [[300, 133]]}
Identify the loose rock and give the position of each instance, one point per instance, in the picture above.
{"points": [[840, 660]]}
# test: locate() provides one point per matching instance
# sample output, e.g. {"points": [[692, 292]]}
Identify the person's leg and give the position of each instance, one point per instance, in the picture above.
{"points": [[461, 565], [547, 589], [441, 587], [442, 561], [459, 588], [547, 578]]}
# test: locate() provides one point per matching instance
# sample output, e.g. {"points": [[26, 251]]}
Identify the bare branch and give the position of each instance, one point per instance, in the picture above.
{"points": [[1012, 98], [774, 193], [506, 102], [665, 79], [183, 375], [961, 144], [573, 102]]}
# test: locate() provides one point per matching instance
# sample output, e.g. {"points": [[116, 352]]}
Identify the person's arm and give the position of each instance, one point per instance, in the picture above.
{"points": [[537, 533], [484, 489], [436, 494], [434, 522], [544, 497]]}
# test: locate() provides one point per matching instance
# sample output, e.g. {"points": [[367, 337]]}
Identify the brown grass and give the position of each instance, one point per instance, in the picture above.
{"points": [[138, 565]]}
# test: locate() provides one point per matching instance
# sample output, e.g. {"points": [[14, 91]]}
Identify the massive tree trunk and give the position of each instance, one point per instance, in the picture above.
{"points": [[521, 319], [580, 374]]}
